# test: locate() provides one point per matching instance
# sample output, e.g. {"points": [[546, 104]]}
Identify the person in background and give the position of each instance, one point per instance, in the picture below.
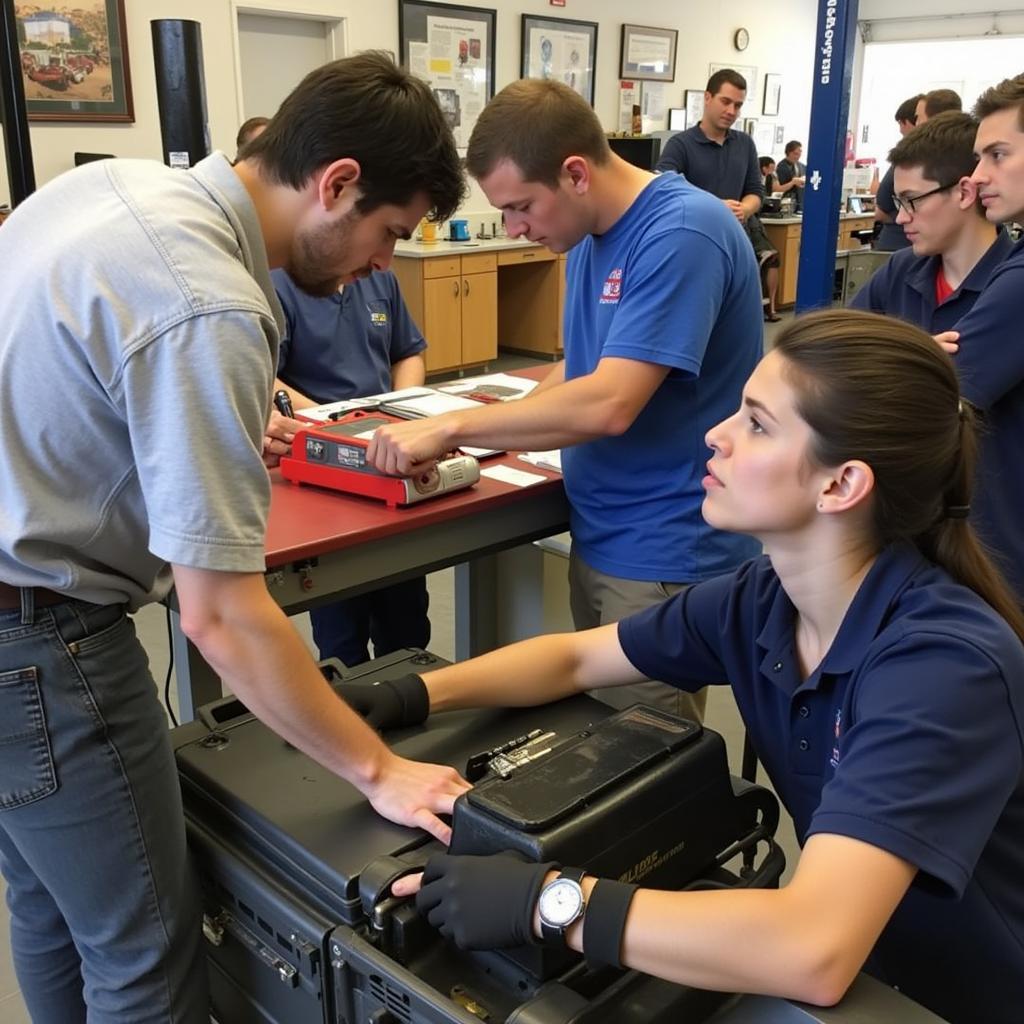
{"points": [[792, 174], [955, 251], [938, 101], [875, 655], [359, 341], [159, 328], [661, 326], [767, 167], [715, 157], [250, 129], [890, 236]]}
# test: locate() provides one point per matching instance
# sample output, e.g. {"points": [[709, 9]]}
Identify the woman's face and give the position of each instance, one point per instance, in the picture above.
{"points": [[760, 480]]}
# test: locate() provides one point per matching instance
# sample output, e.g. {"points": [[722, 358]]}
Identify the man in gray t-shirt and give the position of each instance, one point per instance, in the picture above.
{"points": [[138, 344]]}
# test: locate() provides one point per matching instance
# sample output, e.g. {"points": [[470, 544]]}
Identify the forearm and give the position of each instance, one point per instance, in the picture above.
{"points": [[410, 372], [751, 203], [263, 661]]}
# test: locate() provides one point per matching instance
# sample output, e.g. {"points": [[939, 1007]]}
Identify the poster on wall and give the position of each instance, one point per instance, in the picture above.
{"points": [[648, 53], [560, 49], [452, 48], [629, 103], [74, 61]]}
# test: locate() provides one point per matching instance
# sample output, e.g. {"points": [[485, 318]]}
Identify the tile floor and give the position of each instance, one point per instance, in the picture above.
{"points": [[722, 714]]}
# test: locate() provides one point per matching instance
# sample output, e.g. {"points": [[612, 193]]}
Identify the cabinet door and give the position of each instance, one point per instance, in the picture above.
{"points": [[442, 327], [479, 318], [790, 269]]}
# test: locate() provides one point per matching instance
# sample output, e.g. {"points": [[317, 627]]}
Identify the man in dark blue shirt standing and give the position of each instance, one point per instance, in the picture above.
{"points": [[791, 173], [891, 238], [359, 341], [955, 254], [715, 157]]}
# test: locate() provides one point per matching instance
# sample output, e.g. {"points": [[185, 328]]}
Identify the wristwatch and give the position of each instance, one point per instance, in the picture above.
{"points": [[561, 903]]}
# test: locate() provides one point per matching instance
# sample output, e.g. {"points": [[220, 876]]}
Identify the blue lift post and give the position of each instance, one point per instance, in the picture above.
{"points": [[826, 144]]}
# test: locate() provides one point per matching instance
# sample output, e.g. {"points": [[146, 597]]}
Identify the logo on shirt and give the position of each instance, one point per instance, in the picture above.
{"points": [[378, 319], [834, 759], [611, 291]]}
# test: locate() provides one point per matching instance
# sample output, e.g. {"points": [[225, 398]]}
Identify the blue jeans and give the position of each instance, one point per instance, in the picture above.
{"points": [[392, 617], [105, 919]]}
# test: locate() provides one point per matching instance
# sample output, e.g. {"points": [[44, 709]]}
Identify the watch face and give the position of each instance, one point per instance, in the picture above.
{"points": [[560, 902]]}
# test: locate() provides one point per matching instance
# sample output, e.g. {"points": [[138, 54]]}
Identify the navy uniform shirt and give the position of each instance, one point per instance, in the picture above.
{"points": [[986, 309], [907, 736], [786, 170], [343, 346], [892, 236], [728, 170]]}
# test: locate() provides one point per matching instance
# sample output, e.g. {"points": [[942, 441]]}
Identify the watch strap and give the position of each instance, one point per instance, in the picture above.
{"points": [[554, 935], [605, 921]]}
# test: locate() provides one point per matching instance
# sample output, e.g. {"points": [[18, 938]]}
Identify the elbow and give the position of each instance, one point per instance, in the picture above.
{"points": [[617, 418], [824, 978]]}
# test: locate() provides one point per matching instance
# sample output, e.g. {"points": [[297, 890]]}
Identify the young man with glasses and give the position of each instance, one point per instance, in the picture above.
{"points": [[963, 280]]}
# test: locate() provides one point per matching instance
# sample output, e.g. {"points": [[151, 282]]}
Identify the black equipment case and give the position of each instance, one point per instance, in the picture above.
{"points": [[294, 864]]}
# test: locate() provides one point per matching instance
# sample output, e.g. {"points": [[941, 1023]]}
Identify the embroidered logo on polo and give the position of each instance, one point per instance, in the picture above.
{"points": [[834, 759], [611, 291], [378, 314]]}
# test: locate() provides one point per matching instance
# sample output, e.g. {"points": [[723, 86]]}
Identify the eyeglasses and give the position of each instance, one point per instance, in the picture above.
{"points": [[909, 203]]}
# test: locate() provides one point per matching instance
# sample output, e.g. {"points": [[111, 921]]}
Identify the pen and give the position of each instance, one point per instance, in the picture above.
{"points": [[283, 402]]}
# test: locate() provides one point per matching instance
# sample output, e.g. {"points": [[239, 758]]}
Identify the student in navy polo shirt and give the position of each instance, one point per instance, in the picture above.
{"points": [[890, 237], [662, 326], [955, 251], [359, 341], [876, 657]]}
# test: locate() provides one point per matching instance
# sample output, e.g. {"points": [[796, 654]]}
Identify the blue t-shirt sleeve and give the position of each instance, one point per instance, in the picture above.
{"points": [[990, 360], [673, 156], [406, 339], [284, 293], [930, 760], [680, 640], [672, 292]]}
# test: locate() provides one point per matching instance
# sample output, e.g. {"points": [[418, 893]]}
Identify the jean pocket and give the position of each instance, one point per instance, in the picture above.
{"points": [[26, 761]]}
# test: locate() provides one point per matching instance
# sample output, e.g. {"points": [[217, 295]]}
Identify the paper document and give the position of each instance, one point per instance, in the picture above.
{"points": [[432, 403], [497, 387], [546, 460], [515, 477]]}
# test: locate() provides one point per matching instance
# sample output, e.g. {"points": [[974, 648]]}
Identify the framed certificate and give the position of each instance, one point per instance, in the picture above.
{"points": [[562, 50], [648, 53]]}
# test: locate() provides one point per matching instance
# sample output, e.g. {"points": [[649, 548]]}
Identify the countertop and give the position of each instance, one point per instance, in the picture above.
{"points": [[424, 250], [799, 220]]}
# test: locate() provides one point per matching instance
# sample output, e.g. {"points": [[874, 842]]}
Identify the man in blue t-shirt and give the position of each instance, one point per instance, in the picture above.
{"points": [[955, 251], [662, 327], [359, 341]]}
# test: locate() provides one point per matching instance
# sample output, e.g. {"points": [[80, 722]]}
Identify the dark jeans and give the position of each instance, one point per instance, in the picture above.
{"points": [[104, 908], [392, 617]]}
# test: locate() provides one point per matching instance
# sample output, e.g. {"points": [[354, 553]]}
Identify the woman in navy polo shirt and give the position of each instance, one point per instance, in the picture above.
{"points": [[876, 658]]}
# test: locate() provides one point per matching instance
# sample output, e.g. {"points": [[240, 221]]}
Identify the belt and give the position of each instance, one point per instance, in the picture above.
{"points": [[10, 597]]}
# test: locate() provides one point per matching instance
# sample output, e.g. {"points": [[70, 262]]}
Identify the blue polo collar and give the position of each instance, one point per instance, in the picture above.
{"points": [[698, 134], [864, 619], [922, 277]]}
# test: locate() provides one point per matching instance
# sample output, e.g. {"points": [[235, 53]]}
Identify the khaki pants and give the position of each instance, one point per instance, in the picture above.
{"points": [[597, 599]]}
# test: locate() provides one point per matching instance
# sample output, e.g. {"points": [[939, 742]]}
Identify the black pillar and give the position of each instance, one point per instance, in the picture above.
{"points": [[13, 115], [180, 91]]}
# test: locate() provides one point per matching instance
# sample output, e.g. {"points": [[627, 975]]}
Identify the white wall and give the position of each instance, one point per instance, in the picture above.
{"points": [[781, 42]]}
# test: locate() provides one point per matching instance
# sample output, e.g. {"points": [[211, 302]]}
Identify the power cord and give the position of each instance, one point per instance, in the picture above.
{"points": [[170, 670]]}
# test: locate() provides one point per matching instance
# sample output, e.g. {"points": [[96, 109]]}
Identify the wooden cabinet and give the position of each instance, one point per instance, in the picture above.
{"points": [[454, 301], [530, 300]]}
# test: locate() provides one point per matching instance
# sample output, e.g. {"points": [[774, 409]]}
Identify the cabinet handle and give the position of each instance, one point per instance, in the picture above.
{"points": [[528, 255], [465, 286], [455, 288]]}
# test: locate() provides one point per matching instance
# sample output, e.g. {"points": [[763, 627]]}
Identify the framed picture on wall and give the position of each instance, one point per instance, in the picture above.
{"points": [[772, 94], [748, 71], [750, 126], [648, 53], [693, 102], [560, 49], [74, 64], [452, 48]]}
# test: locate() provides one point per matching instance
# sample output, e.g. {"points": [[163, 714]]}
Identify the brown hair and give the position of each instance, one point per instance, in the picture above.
{"points": [[880, 390], [943, 147], [938, 101], [725, 76], [907, 110], [247, 131], [536, 124], [369, 109], [1007, 94]]}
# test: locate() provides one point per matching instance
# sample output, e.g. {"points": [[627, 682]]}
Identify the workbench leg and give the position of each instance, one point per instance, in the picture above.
{"points": [[197, 683], [476, 604]]}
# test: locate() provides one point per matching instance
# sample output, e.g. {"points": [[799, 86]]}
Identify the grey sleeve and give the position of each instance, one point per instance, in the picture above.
{"points": [[196, 400]]}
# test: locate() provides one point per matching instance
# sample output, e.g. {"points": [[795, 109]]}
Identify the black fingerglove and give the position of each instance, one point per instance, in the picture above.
{"points": [[388, 703], [482, 902]]}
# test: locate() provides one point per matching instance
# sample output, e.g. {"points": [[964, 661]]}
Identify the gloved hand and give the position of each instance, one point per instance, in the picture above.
{"points": [[482, 902], [388, 703]]}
